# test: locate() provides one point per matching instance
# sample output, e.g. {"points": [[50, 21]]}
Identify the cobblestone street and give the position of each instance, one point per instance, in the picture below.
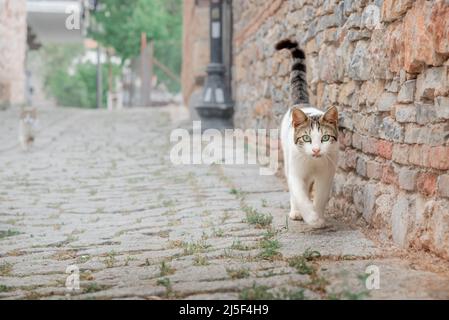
{"points": [[98, 191]]}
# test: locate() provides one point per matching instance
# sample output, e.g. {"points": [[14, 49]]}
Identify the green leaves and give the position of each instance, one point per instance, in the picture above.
{"points": [[69, 80], [301, 263], [120, 23]]}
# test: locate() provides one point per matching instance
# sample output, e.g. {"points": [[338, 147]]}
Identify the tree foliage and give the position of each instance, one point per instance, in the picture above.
{"points": [[120, 23], [72, 83]]}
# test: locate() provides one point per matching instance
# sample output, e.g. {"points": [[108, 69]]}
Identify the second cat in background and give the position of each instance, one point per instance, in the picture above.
{"points": [[27, 128]]}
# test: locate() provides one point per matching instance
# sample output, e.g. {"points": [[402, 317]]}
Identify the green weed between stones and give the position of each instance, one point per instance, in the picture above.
{"points": [[110, 260], [260, 220], [269, 249], [269, 246], [258, 292], [94, 287], [304, 265], [238, 245], [165, 282], [238, 193], [8, 233], [218, 233], [4, 288], [200, 261], [165, 269], [5, 269], [195, 247], [348, 294], [301, 263], [238, 273]]}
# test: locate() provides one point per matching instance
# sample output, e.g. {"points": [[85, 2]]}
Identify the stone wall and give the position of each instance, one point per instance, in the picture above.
{"points": [[12, 51], [385, 65], [195, 46]]}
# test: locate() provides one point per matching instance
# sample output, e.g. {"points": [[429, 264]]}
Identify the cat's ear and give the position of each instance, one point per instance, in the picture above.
{"points": [[298, 117], [331, 115]]}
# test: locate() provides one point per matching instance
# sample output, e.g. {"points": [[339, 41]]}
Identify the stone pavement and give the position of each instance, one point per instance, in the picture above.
{"points": [[98, 191]]}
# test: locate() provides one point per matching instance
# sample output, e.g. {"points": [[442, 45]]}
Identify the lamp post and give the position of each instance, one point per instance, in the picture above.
{"points": [[216, 100]]}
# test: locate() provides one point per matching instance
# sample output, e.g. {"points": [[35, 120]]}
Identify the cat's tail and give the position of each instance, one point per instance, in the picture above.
{"points": [[298, 81]]}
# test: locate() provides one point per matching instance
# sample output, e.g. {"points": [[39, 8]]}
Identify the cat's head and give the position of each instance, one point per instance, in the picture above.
{"points": [[315, 135], [28, 116]]}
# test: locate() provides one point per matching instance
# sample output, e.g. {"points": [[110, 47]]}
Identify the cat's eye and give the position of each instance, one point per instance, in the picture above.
{"points": [[325, 138], [306, 138]]}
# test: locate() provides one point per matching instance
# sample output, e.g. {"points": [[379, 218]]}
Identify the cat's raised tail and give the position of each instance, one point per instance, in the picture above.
{"points": [[298, 82]]}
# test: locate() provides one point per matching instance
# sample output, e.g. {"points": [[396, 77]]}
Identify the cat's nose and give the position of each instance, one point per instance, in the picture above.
{"points": [[316, 151]]}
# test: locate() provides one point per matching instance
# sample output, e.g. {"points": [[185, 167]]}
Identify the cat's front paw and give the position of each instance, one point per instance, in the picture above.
{"points": [[315, 221], [318, 223], [295, 215]]}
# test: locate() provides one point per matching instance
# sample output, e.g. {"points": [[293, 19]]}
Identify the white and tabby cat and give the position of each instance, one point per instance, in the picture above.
{"points": [[27, 128], [309, 142]]}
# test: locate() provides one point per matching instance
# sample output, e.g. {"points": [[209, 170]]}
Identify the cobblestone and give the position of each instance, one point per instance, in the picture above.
{"points": [[98, 191]]}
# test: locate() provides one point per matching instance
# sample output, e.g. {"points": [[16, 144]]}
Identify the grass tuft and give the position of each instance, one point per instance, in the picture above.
{"points": [[110, 260], [238, 245], [165, 282], [238, 273], [8, 233], [238, 193], [301, 263], [256, 292], [165, 269], [5, 269], [4, 288], [260, 220], [195, 247], [94, 287], [269, 249], [200, 261]]}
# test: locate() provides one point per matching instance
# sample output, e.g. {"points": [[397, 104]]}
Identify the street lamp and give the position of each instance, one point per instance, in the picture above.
{"points": [[216, 100]]}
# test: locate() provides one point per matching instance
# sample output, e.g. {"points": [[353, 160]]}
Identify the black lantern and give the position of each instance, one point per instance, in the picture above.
{"points": [[216, 100]]}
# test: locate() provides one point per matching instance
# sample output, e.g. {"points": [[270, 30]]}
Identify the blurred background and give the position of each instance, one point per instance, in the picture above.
{"points": [[90, 53]]}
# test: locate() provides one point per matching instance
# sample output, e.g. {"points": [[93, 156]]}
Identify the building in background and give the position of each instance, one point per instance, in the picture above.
{"points": [[13, 39], [24, 26], [51, 22], [58, 21], [195, 46], [385, 65]]}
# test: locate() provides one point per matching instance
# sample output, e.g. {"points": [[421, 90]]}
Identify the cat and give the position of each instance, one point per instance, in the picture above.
{"points": [[310, 147], [27, 128]]}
